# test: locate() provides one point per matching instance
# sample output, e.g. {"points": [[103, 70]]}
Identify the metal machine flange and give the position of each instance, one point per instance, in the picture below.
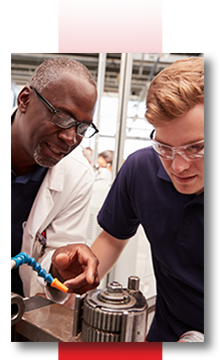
{"points": [[17, 308], [113, 314]]}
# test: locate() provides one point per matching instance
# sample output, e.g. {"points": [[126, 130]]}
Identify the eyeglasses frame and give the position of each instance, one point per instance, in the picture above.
{"points": [[175, 150], [55, 111]]}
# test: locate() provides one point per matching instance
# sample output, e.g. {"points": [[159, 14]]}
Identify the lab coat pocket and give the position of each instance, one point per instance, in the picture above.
{"points": [[38, 248], [27, 239]]}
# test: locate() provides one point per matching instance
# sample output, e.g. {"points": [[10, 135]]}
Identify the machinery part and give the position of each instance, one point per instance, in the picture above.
{"points": [[44, 321], [24, 258], [151, 302], [17, 308], [192, 336], [113, 314]]}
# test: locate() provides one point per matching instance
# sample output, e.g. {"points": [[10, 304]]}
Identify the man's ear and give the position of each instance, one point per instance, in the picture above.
{"points": [[23, 98]]}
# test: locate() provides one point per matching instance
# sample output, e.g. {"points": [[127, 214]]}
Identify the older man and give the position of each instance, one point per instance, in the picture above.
{"points": [[51, 185], [162, 188]]}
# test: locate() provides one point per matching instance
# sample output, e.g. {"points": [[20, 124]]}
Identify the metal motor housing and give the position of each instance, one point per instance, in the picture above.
{"points": [[114, 314]]}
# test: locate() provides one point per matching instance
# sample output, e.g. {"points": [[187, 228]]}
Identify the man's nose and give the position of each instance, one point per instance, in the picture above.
{"points": [[179, 164], [68, 135]]}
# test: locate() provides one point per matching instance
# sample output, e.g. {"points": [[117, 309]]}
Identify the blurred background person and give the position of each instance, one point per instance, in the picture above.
{"points": [[104, 166], [87, 152], [105, 159]]}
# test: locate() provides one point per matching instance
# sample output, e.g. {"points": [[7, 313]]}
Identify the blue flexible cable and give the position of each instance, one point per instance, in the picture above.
{"points": [[24, 258]]}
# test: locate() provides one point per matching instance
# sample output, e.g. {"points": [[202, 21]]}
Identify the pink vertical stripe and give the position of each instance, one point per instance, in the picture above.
{"points": [[110, 26]]}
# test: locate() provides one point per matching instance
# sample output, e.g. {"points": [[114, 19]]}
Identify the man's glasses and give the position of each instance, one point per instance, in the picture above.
{"points": [[192, 151], [65, 121]]}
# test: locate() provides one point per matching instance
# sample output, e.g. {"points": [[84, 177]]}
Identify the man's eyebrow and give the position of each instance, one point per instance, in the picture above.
{"points": [[87, 122], [188, 143]]}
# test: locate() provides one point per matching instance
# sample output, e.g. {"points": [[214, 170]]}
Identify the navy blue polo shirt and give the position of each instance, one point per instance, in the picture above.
{"points": [[24, 189], [174, 225]]}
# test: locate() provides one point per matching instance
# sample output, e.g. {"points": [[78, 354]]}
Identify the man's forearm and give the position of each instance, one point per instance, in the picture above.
{"points": [[107, 249]]}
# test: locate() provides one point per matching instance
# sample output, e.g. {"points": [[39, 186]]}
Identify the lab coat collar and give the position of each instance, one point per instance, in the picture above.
{"points": [[55, 177], [44, 201]]}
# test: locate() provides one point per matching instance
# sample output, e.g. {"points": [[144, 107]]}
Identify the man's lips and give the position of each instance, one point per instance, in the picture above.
{"points": [[56, 151], [184, 179]]}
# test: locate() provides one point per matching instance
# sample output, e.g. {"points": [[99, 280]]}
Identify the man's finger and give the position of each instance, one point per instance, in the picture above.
{"points": [[81, 280], [61, 260], [81, 287], [78, 281], [91, 274], [92, 270]]}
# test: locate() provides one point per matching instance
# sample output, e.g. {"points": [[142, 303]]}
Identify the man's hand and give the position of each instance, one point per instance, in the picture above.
{"points": [[77, 266]]}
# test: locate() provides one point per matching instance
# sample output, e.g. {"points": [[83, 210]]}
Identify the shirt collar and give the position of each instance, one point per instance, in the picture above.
{"points": [[36, 175]]}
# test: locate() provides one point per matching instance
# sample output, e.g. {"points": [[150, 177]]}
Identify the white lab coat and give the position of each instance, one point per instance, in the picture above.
{"points": [[61, 207]]}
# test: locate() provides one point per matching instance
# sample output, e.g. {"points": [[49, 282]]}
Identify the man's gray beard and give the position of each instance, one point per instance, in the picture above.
{"points": [[41, 160]]}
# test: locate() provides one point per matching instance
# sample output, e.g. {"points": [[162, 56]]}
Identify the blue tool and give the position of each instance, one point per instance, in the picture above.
{"points": [[24, 258]]}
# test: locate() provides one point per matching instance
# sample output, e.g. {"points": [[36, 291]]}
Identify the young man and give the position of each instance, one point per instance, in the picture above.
{"points": [[161, 187], [51, 185]]}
